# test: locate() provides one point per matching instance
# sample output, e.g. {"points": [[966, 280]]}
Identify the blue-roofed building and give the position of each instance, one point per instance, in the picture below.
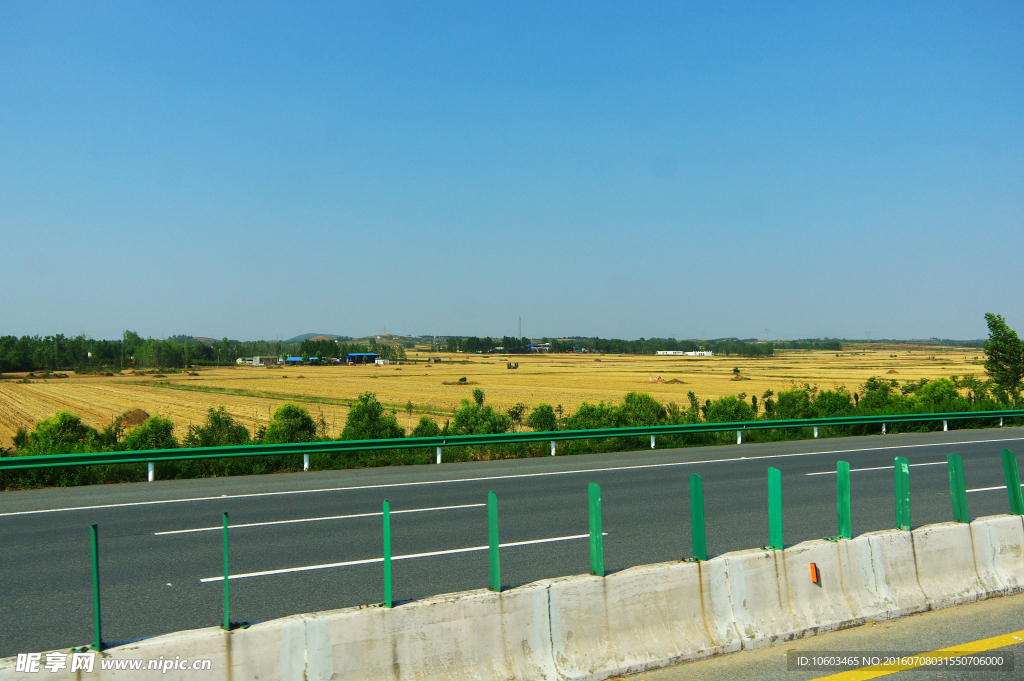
{"points": [[291, 361], [361, 357]]}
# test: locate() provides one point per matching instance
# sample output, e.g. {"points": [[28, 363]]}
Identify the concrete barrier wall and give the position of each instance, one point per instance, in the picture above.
{"points": [[588, 628]]}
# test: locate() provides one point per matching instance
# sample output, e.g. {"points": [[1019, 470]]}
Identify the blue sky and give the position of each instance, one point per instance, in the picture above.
{"points": [[257, 170]]}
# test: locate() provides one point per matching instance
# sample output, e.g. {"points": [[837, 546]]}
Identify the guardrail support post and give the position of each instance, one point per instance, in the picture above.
{"points": [[227, 616], [883, 429], [552, 448], [1013, 483], [815, 431], [596, 530], [387, 555], [150, 470], [94, 531], [305, 462], [652, 442], [901, 467], [775, 509], [1000, 421], [958, 488], [843, 499], [492, 541], [439, 455], [739, 437], [945, 425], [697, 528]]}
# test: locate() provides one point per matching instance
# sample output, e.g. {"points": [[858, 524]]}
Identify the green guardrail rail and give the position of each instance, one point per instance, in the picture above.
{"points": [[154, 455]]}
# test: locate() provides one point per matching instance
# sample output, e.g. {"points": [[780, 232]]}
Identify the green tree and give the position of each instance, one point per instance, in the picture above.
{"points": [[478, 397], [291, 423], [729, 409], [832, 403], [408, 411], [155, 433], [940, 395], [640, 409], [1004, 355], [474, 419], [516, 413], [427, 427], [542, 418], [62, 433], [794, 403], [367, 420], [220, 430]]}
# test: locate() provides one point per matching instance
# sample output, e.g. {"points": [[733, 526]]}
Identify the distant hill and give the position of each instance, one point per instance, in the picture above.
{"points": [[318, 336]]}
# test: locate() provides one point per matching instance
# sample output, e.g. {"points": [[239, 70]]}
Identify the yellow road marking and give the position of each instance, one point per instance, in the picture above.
{"points": [[963, 650]]}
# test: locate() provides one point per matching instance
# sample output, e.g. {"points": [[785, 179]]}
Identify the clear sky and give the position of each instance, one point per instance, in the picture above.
{"points": [[256, 170]]}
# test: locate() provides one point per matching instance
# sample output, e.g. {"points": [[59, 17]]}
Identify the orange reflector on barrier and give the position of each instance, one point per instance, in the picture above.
{"points": [[814, 573]]}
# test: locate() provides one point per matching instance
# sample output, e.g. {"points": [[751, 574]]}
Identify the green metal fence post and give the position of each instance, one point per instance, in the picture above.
{"points": [[843, 500], [958, 488], [901, 467], [492, 541], [387, 555], [227, 615], [775, 509], [1013, 483], [697, 529], [596, 531], [98, 636]]}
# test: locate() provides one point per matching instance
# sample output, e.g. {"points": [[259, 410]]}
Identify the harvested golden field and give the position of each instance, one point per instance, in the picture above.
{"points": [[250, 394]]}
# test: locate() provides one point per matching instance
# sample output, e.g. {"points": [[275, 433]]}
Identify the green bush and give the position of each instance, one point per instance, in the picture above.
{"points": [[155, 433], [542, 418], [292, 423], [220, 430], [367, 420]]}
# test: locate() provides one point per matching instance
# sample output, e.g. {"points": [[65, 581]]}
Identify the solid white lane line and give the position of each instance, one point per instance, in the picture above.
{"points": [[500, 477], [989, 489], [367, 561], [879, 468], [312, 520]]}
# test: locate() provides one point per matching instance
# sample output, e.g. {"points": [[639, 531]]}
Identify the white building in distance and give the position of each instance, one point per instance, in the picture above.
{"points": [[691, 353]]}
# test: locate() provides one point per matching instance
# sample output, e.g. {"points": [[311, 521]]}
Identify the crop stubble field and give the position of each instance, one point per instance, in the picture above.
{"points": [[434, 388]]}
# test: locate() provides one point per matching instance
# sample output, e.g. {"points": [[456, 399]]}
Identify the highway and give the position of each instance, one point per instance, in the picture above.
{"points": [[161, 544]]}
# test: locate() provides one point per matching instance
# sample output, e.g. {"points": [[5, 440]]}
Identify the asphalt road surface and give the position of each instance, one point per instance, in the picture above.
{"points": [[159, 541]]}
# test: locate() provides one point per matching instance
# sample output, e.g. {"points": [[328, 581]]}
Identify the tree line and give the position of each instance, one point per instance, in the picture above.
{"points": [[81, 353], [642, 346]]}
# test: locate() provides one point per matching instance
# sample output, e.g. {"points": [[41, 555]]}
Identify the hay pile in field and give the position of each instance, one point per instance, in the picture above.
{"points": [[892, 371], [132, 418]]}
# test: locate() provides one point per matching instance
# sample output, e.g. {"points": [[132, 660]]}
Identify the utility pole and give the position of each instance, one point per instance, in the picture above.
{"points": [[520, 326]]}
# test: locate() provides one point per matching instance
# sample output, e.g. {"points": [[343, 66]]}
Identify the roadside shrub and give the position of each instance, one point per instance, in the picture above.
{"points": [[427, 427], [291, 423], [220, 430], [155, 433], [542, 418], [367, 420]]}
